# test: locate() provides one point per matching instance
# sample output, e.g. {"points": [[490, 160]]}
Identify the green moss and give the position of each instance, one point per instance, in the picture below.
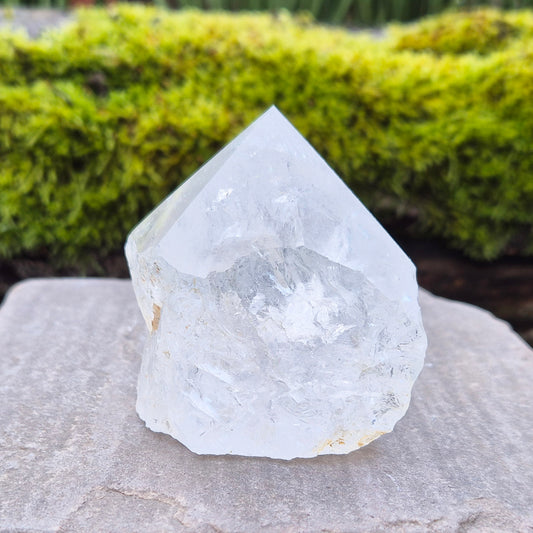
{"points": [[481, 31], [100, 120]]}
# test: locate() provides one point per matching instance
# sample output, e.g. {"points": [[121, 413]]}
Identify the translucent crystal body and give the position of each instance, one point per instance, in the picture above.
{"points": [[284, 319]]}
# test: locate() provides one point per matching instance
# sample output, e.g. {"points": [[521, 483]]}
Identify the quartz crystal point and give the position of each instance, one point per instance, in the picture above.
{"points": [[283, 319]]}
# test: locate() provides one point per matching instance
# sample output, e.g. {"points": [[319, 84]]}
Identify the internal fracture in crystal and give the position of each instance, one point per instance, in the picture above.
{"points": [[284, 320]]}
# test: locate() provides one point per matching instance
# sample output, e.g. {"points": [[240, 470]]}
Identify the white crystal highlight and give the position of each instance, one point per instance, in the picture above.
{"points": [[284, 319]]}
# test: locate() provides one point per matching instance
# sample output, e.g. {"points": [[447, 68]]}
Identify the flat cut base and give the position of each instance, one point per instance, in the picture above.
{"points": [[75, 456]]}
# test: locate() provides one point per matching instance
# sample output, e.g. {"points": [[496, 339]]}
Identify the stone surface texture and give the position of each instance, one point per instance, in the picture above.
{"points": [[74, 456], [284, 319]]}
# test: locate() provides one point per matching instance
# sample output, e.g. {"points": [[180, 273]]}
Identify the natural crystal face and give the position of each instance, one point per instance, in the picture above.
{"points": [[284, 319]]}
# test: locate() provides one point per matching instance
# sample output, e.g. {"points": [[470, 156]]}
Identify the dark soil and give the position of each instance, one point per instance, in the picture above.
{"points": [[504, 287], [14, 270]]}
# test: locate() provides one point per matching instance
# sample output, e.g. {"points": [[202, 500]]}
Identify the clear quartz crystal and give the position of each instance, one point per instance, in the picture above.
{"points": [[283, 318]]}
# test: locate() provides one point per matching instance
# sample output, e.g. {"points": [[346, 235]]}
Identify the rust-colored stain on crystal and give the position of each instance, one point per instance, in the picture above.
{"points": [[332, 443], [339, 440], [156, 309], [369, 438]]}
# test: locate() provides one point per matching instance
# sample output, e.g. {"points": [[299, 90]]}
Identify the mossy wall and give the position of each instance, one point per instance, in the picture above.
{"points": [[100, 120]]}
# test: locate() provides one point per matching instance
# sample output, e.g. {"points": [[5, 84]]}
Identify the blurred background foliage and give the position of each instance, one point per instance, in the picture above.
{"points": [[349, 12], [431, 122]]}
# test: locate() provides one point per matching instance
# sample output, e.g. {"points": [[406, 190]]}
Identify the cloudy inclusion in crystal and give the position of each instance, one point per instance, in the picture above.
{"points": [[284, 319]]}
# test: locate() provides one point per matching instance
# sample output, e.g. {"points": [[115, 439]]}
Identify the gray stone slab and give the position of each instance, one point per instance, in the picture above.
{"points": [[74, 456], [34, 21]]}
